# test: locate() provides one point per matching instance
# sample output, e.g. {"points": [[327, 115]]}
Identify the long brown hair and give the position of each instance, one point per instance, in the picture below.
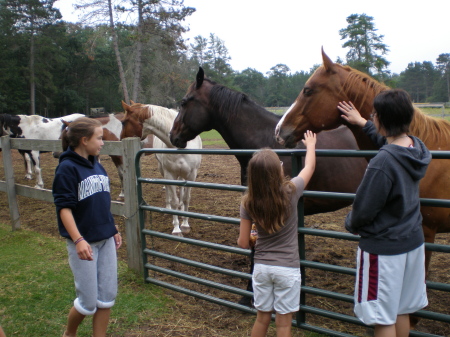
{"points": [[79, 128], [267, 199]]}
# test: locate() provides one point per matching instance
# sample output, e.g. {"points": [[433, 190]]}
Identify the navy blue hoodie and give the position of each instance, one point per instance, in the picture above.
{"points": [[83, 186], [386, 211]]}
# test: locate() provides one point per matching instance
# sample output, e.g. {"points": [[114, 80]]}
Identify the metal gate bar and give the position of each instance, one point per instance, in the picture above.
{"points": [[295, 154]]}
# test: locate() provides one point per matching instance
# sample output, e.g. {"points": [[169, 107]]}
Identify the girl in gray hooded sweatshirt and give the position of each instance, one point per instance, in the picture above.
{"points": [[390, 280]]}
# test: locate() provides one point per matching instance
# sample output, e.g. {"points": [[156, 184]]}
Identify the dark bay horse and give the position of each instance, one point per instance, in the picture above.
{"points": [[316, 109], [243, 124]]}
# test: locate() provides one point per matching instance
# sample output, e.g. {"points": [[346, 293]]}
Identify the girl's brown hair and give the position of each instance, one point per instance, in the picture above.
{"points": [[267, 199], [79, 128]]}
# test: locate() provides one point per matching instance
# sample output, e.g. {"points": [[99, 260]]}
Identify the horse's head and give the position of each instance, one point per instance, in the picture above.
{"points": [[193, 117], [315, 108], [10, 125], [132, 122]]}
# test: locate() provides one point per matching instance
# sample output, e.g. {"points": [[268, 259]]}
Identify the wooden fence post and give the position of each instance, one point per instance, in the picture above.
{"points": [[10, 185], [131, 211]]}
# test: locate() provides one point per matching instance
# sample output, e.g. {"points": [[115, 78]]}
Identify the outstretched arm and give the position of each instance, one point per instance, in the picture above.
{"points": [[310, 159]]}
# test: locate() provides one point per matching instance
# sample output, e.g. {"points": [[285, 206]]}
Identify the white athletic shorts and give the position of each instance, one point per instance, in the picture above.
{"points": [[389, 285], [276, 288]]}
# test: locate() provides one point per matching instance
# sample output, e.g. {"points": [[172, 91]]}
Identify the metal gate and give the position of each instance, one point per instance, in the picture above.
{"points": [[300, 320]]}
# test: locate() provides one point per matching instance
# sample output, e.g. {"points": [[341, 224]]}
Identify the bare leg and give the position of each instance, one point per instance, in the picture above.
{"points": [[73, 322], [261, 325], [385, 331], [100, 322], [284, 324], [402, 326]]}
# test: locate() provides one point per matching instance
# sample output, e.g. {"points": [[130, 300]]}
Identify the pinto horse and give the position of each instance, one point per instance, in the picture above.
{"points": [[112, 127], [34, 127], [316, 109], [143, 119], [243, 124]]}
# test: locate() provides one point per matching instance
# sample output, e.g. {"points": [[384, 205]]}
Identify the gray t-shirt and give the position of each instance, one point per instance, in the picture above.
{"points": [[280, 248]]}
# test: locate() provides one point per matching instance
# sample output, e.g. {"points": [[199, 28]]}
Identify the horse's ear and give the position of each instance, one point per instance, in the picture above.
{"points": [[131, 102], [125, 106], [200, 77], [65, 123], [327, 63]]}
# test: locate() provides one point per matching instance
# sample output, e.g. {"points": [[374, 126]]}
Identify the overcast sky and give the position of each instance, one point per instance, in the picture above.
{"points": [[261, 34]]}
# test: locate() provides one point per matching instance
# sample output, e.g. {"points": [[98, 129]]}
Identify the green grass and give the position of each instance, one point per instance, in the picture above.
{"points": [[37, 291], [212, 138]]}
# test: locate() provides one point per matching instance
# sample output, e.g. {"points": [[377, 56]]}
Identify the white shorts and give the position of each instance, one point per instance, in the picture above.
{"points": [[389, 285], [276, 288]]}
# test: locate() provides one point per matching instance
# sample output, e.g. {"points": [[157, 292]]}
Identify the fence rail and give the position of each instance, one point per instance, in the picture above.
{"points": [[300, 320], [126, 148]]}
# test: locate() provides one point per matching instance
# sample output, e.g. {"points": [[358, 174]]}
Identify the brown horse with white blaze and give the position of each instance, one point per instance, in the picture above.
{"points": [[316, 109]]}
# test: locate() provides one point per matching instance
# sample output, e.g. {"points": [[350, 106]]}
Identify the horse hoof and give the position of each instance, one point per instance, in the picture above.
{"points": [[247, 301], [121, 199], [39, 187], [185, 229], [177, 234]]}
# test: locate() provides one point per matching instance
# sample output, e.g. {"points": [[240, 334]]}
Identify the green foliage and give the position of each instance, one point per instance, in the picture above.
{"points": [[76, 67], [366, 48], [36, 289]]}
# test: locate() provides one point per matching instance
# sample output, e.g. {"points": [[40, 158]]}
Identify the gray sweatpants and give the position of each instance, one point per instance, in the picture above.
{"points": [[95, 281]]}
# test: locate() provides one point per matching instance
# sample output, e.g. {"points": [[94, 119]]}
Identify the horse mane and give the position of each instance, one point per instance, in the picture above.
{"points": [[429, 129], [160, 117], [226, 101], [365, 85]]}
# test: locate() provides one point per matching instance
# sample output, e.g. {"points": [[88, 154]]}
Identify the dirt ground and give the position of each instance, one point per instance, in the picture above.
{"points": [[196, 317]]}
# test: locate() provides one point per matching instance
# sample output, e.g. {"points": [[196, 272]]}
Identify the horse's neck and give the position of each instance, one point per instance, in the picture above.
{"points": [[435, 133], [252, 128], [160, 126], [363, 100]]}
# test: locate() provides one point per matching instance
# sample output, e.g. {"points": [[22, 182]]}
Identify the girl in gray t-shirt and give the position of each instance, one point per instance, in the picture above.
{"points": [[270, 202]]}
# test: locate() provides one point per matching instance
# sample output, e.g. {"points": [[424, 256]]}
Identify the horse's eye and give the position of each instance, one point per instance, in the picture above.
{"points": [[307, 91], [183, 102]]}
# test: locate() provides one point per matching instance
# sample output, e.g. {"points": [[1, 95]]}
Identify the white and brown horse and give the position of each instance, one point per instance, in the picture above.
{"points": [[34, 127], [144, 119], [112, 128]]}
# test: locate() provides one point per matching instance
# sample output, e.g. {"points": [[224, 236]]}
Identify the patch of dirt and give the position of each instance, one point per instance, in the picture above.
{"points": [[196, 317]]}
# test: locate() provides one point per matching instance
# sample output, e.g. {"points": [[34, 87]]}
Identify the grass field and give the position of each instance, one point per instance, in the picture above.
{"points": [[36, 290]]}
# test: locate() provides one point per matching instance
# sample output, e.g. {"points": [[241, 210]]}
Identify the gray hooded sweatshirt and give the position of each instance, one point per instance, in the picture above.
{"points": [[386, 211]]}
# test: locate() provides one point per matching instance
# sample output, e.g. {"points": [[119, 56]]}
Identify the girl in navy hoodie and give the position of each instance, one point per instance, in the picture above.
{"points": [[390, 277], [82, 198]]}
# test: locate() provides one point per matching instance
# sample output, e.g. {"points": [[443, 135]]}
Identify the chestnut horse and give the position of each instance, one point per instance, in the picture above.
{"points": [[243, 124], [142, 120], [316, 109]]}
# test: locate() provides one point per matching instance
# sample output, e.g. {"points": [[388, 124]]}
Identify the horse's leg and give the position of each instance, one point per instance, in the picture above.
{"points": [[27, 162], [247, 301], [185, 196], [171, 190], [37, 169], [118, 162]]}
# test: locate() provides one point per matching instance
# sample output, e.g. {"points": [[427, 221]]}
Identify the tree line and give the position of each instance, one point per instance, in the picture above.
{"points": [[52, 68]]}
